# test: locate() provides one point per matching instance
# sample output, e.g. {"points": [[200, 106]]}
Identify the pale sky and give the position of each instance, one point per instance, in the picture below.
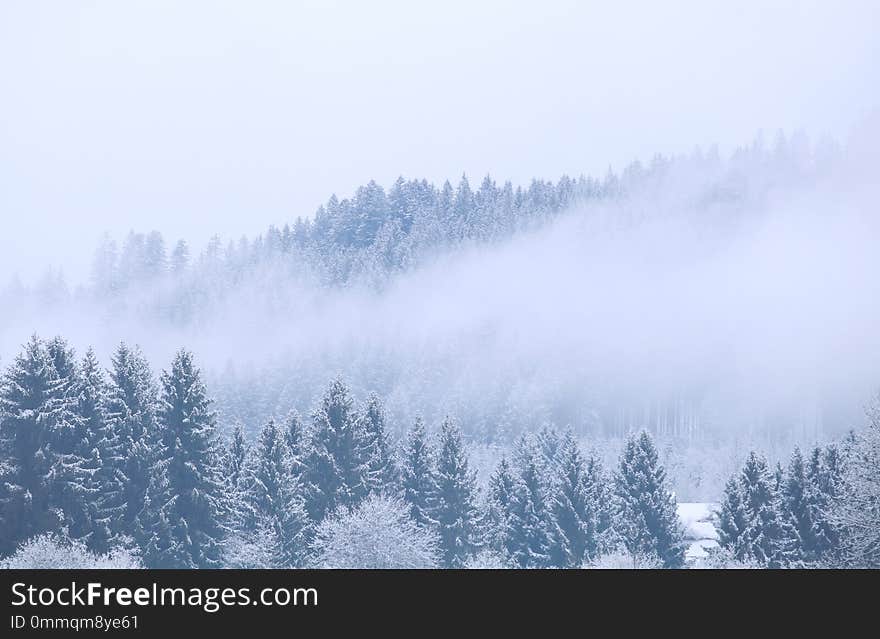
{"points": [[211, 117]]}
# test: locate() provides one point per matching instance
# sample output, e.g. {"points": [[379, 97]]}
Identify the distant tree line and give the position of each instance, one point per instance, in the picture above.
{"points": [[378, 232]]}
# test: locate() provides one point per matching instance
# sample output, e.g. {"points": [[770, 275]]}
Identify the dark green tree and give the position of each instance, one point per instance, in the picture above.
{"points": [[381, 470], [455, 509], [274, 498], [185, 508], [646, 510], [768, 537], [529, 532], [26, 416], [417, 476], [575, 514], [336, 464]]}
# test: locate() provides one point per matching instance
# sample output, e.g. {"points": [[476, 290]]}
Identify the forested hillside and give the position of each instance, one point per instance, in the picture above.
{"points": [[512, 307]]}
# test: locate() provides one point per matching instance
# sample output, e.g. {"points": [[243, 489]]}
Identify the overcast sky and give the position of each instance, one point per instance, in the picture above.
{"points": [[212, 117]]}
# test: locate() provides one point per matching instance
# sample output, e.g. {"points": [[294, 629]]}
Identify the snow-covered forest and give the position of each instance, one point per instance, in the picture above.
{"points": [[441, 438], [120, 468], [619, 309]]}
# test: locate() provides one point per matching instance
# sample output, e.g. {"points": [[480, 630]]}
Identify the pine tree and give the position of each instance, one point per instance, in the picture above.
{"points": [[133, 443], [767, 536], [575, 514], [529, 534], [336, 467], [732, 520], [455, 509], [417, 476], [381, 471], [274, 499], [184, 511], [646, 517], [798, 506], [25, 418]]}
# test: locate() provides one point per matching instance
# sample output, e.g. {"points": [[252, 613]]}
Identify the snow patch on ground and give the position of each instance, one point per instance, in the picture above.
{"points": [[700, 534]]}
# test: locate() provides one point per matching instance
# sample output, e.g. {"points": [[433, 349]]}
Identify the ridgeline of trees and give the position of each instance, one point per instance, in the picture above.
{"points": [[378, 232], [118, 460]]}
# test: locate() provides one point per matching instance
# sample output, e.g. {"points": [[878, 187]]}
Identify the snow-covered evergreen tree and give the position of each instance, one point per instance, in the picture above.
{"points": [[274, 499], [91, 448], [798, 499], [25, 465], [768, 538], [295, 439], [69, 445], [185, 508], [548, 443], [381, 469], [133, 443], [236, 454], [529, 531], [732, 520], [646, 510], [455, 509], [601, 494], [575, 515], [417, 476], [336, 462], [499, 496], [825, 473]]}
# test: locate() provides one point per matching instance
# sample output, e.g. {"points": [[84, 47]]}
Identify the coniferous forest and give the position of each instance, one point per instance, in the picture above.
{"points": [[131, 467], [556, 285]]}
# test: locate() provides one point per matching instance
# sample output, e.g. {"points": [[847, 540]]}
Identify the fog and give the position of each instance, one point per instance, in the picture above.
{"points": [[724, 297], [718, 299], [221, 117]]}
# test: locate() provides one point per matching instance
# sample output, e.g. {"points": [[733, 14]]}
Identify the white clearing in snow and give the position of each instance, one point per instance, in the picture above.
{"points": [[699, 528]]}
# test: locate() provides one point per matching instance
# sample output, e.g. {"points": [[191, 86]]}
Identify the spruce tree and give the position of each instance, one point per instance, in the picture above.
{"points": [[236, 455], [91, 448], [274, 499], [575, 515], [295, 439], [455, 509], [798, 504], [767, 537], [732, 520], [25, 419], [646, 511], [69, 444], [381, 471], [183, 515], [336, 467], [500, 494], [417, 476], [133, 443], [529, 532], [549, 446], [601, 494], [825, 477]]}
